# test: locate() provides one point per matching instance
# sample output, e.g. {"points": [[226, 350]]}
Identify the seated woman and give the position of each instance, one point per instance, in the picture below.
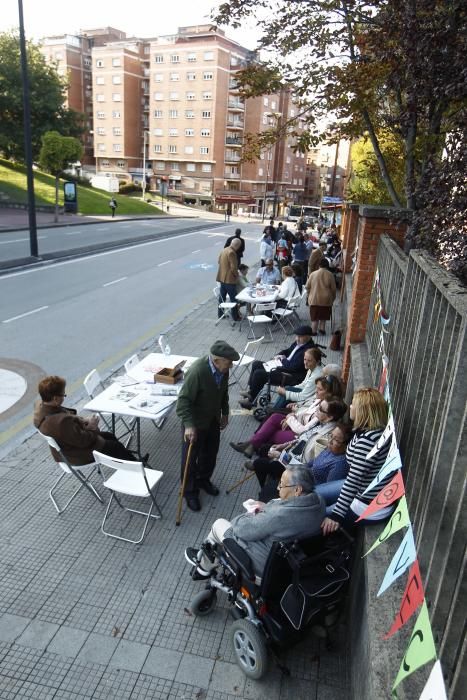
{"points": [[77, 437], [328, 466], [369, 414], [305, 391], [288, 289]]}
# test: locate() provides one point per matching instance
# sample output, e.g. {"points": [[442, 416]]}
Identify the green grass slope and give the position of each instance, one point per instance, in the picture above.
{"points": [[90, 201]]}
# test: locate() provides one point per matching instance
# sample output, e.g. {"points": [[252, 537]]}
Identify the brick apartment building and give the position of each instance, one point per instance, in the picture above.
{"points": [[175, 100], [327, 168]]}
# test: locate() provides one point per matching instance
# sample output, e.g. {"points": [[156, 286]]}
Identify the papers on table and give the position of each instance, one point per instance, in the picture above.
{"points": [[151, 404], [272, 364]]}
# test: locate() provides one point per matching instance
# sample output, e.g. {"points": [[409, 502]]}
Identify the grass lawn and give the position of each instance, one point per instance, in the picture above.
{"points": [[90, 201]]}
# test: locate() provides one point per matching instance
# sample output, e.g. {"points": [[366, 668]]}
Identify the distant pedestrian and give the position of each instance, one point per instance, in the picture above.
{"points": [[241, 250], [113, 205], [227, 276]]}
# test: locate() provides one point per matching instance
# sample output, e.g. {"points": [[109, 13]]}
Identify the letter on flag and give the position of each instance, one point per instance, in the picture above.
{"points": [[414, 596], [388, 494], [400, 518], [392, 464], [421, 648], [402, 559]]}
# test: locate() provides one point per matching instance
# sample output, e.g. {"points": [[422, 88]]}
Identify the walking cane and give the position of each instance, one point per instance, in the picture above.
{"points": [[183, 486], [239, 483]]}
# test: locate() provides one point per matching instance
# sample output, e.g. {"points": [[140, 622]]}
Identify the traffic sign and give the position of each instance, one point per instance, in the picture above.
{"points": [[332, 200]]}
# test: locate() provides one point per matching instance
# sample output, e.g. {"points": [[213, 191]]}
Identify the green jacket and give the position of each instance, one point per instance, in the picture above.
{"points": [[200, 400]]}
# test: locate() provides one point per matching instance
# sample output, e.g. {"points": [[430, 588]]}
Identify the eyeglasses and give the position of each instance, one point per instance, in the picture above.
{"points": [[285, 486], [338, 442]]}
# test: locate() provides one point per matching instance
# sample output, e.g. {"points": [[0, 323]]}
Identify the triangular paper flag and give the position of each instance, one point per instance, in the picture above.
{"points": [[402, 559], [412, 598], [392, 464], [400, 518], [388, 494], [434, 687], [384, 437], [421, 648]]}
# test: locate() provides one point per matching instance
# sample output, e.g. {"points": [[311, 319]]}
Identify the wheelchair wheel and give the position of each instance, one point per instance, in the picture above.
{"points": [[260, 414], [264, 400], [250, 648], [203, 603]]}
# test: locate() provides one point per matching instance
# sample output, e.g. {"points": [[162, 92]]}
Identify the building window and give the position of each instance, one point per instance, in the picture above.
{"points": [[117, 146], [204, 150], [101, 146], [100, 97], [160, 165], [207, 95], [208, 76], [265, 102], [101, 115], [158, 114], [101, 131], [287, 160], [105, 163], [173, 132], [116, 115], [206, 167], [189, 149], [260, 171], [157, 148], [116, 79], [173, 113], [158, 132], [189, 114], [209, 55], [117, 131], [100, 80], [158, 96], [206, 114], [116, 97], [265, 119], [116, 62], [172, 148], [189, 132], [175, 166], [174, 76], [174, 96], [121, 163], [191, 57], [158, 58], [158, 77], [191, 167], [205, 132], [292, 113], [99, 63], [87, 61], [191, 76], [190, 96], [174, 58], [273, 105]]}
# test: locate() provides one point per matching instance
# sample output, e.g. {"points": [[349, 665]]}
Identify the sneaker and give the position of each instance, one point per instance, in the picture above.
{"points": [[198, 573], [192, 555], [249, 465]]}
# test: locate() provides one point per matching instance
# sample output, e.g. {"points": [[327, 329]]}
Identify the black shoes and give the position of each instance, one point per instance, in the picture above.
{"points": [[193, 503], [245, 448], [249, 465], [246, 403], [209, 487], [192, 557]]}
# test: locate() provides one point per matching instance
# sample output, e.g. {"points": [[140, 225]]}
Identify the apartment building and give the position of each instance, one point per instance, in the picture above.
{"points": [[71, 55], [326, 172]]}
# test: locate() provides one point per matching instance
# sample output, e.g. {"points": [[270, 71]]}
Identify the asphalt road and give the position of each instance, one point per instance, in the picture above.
{"points": [[71, 316], [15, 245]]}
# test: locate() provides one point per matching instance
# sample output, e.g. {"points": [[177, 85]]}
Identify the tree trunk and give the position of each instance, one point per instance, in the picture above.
{"points": [[56, 198]]}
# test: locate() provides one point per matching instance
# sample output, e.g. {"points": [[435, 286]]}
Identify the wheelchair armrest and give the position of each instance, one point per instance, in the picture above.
{"points": [[239, 557]]}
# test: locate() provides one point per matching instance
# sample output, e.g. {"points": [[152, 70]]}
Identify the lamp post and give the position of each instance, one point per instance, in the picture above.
{"points": [[143, 184], [274, 118], [27, 137]]}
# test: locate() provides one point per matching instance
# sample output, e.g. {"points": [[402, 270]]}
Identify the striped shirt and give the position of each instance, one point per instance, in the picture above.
{"points": [[361, 471]]}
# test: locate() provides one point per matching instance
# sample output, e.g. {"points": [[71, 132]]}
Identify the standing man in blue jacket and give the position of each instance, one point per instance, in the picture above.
{"points": [[290, 363]]}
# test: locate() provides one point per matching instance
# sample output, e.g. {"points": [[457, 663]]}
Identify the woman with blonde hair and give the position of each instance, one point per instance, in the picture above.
{"points": [[369, 414]]}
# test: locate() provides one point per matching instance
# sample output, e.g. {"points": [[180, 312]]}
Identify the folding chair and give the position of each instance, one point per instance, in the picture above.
{"points": [[244, 362], [131, 362], [260, 317], [130, 479], [71, 470], [92, 382], [225, 306]]}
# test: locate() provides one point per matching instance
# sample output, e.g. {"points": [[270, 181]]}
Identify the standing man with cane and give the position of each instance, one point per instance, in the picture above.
{"points": [[203, 407]]}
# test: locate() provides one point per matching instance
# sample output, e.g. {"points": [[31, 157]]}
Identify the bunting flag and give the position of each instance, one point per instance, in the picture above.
{"points": [[434, 687], [385, 319], [421, 648], [384, 437], [402, 559], [386, 395], [399, 519], [384, 375], [377, 310], [413, 597], [388, 494], [392, 464]]}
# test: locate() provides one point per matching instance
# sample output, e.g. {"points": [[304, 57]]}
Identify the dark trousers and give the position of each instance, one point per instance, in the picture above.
{"points": [[203, 457], [259, 377], [228, 290], [265, 467], [114, 448]]}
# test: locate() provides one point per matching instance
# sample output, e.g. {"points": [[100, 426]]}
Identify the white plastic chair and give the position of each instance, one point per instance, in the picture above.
{"points": [[286, 313], [130, 479], [92, 382], [225, 306], [260, 316], [240, 366], [131, 362], [70, 470]]}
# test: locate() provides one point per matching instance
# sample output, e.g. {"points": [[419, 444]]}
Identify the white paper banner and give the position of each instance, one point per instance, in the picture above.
{"points": [[392, 464], [386, 434], [402, 559], [434, 688]]}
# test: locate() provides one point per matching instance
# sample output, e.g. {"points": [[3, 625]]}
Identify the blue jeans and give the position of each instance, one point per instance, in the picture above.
{"points": [[330, 491], [228, 290], [281, 401]]}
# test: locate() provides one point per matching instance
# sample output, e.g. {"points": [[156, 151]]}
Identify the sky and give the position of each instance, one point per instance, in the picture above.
{"points": [[141, 18]]}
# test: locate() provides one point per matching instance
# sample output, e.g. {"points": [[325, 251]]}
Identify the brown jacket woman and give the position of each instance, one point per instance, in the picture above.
{"points": [[321, 287]]}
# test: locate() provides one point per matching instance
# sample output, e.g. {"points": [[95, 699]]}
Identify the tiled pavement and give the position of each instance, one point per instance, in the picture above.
{"points": [[85, 616]]}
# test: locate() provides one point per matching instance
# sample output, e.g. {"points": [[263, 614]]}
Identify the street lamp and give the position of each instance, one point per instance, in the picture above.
{"points": [[273, 116], [144, 164]]}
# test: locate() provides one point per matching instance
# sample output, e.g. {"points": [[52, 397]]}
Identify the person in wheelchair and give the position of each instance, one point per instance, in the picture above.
{"points": [[296, 514]]}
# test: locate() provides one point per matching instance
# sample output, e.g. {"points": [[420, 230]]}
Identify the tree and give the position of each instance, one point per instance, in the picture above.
{"points": [[47, 96], [56, 154], [390, 66], [366, 184]]}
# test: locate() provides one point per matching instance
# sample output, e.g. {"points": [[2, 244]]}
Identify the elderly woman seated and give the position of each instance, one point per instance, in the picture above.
{"points": [[278, 429], [304, 392]]}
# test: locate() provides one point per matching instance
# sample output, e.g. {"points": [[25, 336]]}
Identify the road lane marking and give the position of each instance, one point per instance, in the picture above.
{"points": [[164, 263], [28, 313], [196, 251], [21, 240], [120, 279]]}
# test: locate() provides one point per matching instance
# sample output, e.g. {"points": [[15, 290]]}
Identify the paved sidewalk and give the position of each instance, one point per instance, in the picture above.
{"points": [[85, 616]]}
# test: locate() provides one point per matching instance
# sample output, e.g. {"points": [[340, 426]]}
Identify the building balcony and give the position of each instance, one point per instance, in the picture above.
{"points": [[235, 124], [232, 158], [233, 141], [233, 86], [231, 176], [236, 105]]}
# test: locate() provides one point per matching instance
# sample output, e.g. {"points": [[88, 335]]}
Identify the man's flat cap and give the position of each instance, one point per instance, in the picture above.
{"points": [[303, 330], [222, 349]]}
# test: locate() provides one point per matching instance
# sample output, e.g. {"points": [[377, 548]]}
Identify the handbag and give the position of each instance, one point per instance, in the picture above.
{"points": [[335, 342]]}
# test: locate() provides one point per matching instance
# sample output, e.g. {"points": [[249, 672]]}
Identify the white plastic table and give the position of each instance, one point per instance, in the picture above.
{"points": [[249, 295]]}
